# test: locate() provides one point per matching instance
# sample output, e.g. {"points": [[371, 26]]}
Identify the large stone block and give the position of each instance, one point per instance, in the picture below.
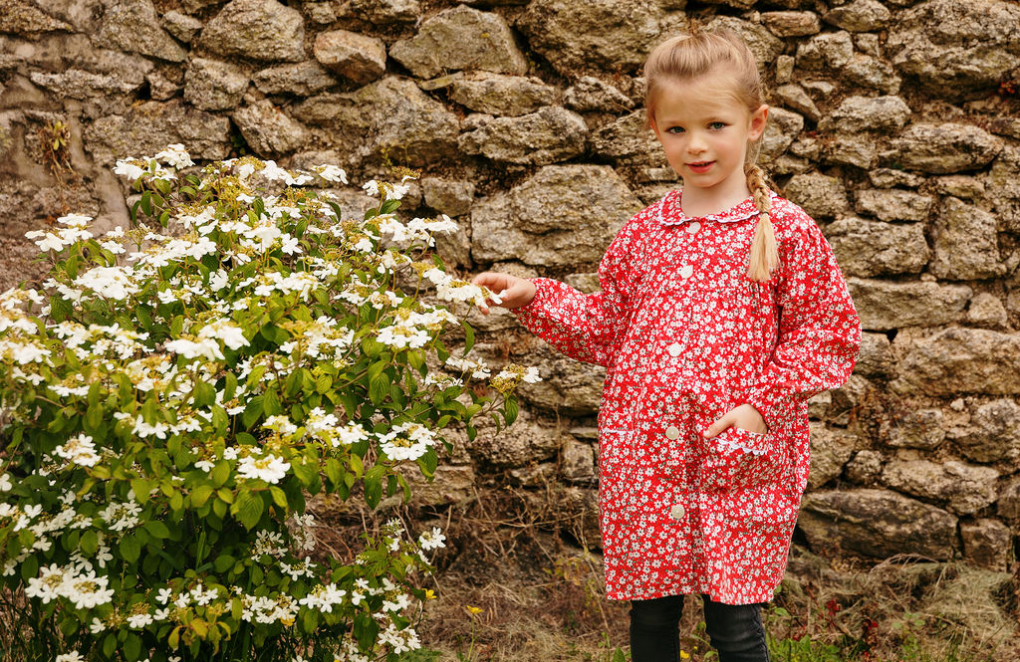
{"points": [[1002, 187], [827, 51], [792, 23], [389, 119], [599, 35], [301, 79], [268, 130], [869, 248], [893, 204], [859, 16], [629, 141], [782, 129], [214, 85], [964, 488], [262, 30], [22, 18], [460, 38], [875, 358], [966, 243], [549, 135], [526, 441], [149, 127], [354, 56], [872, 73], [987, 543], [956, 48], [134, 26], [854, 114], [765, 45], [564, 215], [885, 305], [567, 387], [590, 93], [943, 148], [821, 196], [499, 94], [831, 449], [993, 434], [957, 361], [83, 85], [916, 428], [877, 523]]}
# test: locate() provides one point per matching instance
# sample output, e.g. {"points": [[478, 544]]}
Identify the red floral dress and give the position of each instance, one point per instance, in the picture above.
{"points": [[685, 337]]}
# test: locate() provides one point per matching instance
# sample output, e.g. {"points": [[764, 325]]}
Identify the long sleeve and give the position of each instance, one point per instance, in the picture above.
{"points": [[819, 330], [587, 327]]}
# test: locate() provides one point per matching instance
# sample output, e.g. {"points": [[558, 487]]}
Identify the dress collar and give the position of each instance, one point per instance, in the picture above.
{"points": [[671, 213]]}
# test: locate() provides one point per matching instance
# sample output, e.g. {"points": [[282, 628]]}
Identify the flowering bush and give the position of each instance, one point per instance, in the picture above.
{"points": [[170, 400]]}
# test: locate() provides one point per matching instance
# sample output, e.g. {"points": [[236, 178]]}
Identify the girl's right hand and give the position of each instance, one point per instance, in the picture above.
{"points": [[514, 292]]}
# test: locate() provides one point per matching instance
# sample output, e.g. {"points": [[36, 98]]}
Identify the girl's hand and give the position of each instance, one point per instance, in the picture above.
{"points": [[513, 291], [744, 417]]}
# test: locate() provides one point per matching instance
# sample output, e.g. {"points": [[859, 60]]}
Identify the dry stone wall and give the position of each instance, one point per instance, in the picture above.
{"points": [[896, 124]]}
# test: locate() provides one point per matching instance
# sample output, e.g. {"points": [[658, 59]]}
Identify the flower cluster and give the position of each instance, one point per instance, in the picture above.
{"points": [[175, 390]]}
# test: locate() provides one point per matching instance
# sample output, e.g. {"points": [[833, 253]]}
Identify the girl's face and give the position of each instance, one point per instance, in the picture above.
{"points": [[705, 130]]}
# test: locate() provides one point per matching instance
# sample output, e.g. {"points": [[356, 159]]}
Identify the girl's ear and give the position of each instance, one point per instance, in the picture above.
{"points": [[757, 124]]}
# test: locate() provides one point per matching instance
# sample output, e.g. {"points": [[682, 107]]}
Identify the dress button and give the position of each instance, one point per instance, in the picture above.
{"points": [[677, 511], [674, 350], [686, 271], [693, 227], [672, 432]]}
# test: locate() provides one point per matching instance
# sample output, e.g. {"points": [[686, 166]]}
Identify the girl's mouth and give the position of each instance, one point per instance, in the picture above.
{"points": [[700, 167]]}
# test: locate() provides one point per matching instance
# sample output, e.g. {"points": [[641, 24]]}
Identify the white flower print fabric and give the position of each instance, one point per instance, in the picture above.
{"points": [[685, 337]]}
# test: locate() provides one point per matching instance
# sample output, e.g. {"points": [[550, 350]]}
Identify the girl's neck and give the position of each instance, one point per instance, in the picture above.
{"points": [[697, 202]]}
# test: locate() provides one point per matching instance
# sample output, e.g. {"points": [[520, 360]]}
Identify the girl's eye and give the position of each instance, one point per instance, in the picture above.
{"points": [[675, 129], [716, 126]]}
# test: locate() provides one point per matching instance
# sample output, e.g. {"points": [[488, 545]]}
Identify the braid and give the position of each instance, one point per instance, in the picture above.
{"points": [[764, 253]]}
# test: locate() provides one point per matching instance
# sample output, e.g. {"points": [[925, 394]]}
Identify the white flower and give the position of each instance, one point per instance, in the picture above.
{"points": [[176, 156], [5, 483], [331, 173], [50, 241], [269, 468], [75, 220], [73, 656], [432, 540], [139, 620], [205, 465], [111, 282], [128, 169]]}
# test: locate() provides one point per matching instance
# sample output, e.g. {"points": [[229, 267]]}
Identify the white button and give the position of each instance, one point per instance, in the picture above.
{"points": [[686, 271], [674, 350], [693, 227], [672, 433], [677, 511]]}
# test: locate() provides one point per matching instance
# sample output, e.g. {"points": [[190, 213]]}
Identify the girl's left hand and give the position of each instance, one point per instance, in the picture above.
{"points": [[744, 417]]}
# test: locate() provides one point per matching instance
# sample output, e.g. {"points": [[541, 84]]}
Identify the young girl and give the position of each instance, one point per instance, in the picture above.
{"points": [[722, 311]]}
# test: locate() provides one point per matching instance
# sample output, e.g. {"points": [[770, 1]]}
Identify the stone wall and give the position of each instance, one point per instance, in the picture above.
{"points": [[895, 124]]}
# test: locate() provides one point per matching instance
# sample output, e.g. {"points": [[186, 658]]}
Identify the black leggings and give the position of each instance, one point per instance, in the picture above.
{"points": [[736, 630]]}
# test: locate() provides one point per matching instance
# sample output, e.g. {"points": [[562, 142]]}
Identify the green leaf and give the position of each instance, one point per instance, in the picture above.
{"points": [[429, 462], [146, 203], [109, 645], [334, 470], [229, 387], [304, 471], [157, 529], [248, 508], [220, 473], [373, 492], [130, 548], [389, 206], [379, 388], [279, 496], [200, 495], [323, 383], [141, 488], [223, 563], [89, 542], [252, 411], [271, 403], [469, 336], [511, 411]]}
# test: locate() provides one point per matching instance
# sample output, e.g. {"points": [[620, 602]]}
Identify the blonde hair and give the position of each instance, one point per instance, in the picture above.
{"points": [[690, 56]]}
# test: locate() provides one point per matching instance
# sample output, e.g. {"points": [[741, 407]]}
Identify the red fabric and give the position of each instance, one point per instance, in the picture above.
{"points": [[686, 336]]}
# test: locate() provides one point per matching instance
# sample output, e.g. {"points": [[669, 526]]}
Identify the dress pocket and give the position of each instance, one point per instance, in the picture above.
{"points": [[739, 459]]}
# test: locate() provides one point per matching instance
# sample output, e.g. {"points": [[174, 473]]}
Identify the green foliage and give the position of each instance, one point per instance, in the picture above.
{"points": [[166, 422]]}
